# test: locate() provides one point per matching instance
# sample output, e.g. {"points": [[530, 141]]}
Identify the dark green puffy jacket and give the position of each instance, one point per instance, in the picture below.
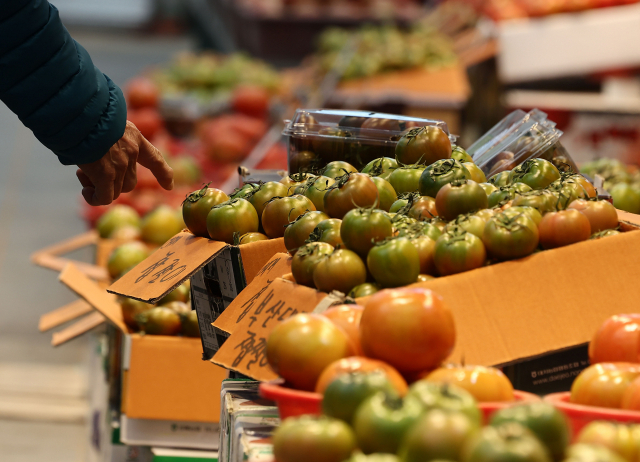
{"points": [[50, 82]]}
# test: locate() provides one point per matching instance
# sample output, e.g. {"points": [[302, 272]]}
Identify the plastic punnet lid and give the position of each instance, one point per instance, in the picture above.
{"points": [[361, 125]]}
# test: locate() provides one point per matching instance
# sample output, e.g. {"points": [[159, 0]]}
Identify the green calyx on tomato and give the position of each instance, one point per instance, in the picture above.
{"points": [[447, 397], [536, 173], [382, 167], [244, 191], [337, 169], [458, 251], [436, 175], [470, 222], [394, 262], [361, 228], [500, 179], [315, 188], [507, 442], [506, 193], [541, 200], [508, 236], [459, 154], [327, 231]]}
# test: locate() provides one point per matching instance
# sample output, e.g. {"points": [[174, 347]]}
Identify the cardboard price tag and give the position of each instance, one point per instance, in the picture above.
{"points": [[167, 267], [233, 315], [246, 350]]}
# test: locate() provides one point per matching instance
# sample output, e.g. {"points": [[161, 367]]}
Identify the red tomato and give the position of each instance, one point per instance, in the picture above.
{"points": [[142, 92], [631, 396], [411, 329], [347, 317], [486, 384], [360, 364], [562, 228], [147, 120], [617, 340], [603, 384], [251, 100], [601, 214]]}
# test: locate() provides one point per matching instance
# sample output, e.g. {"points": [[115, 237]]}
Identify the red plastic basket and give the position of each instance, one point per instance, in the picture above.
{"points": [[580, 415]]}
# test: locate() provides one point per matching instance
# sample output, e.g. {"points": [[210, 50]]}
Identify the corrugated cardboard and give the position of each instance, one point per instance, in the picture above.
{"points": [[63, 314]]}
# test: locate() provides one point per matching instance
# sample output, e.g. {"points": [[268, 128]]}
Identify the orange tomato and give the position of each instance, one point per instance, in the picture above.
{"points": [[360, 364], [411, 329], [347, 317], [603, 384], [617, 340], [486, 384], [631, 396]]}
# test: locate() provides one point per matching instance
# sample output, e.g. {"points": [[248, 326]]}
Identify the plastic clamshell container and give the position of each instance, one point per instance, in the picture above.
{"points": [[518, 137], [580, 415], [319, 136], [293, 402]]}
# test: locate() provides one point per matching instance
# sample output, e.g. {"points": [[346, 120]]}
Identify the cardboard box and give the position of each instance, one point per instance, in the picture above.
{"points": [[169, 433]]}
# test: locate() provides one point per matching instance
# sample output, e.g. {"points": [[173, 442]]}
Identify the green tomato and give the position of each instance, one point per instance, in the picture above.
{"points": [[508, 236], [362, 228], [626, 197], [591, 453], [313, 439], [447, 397], [182, 293], [509, 442], [264, 193], [338, 168], [476, 172], [394, 263], [116, 217], [540, 200], [458, 251], [228, 218], [500, 179], [548, 423], [377, 457], [529, 211], [197, 206], [398, 205], [442, 172], [382, 167], [536, 173], [460, 197], [506, 193], [488, 188], [386, 194], [406, 179], [246, 190], [473, 224], [315, 189], [381, 422], [437, 435], [346, 392], [364, 290], [460, 154]]}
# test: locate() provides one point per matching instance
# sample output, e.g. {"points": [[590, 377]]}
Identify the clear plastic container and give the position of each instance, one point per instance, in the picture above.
{"points": [[319, 136], [519, 137]]}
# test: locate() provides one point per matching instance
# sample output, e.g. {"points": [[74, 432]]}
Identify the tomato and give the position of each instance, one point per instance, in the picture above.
{"points": [[399, 204], [425, 278], [510, 442], [347, 391], [179, 307], [425, 247], [508, 236], [423, 145], [394, 263], [427, 228], [300, 347], [617, 340], [447, 397], [260, 195], [546, 422], [540, 200], [500, 179], [626, 197], [591, 453], [401, 222], [382, 421], [347, 317], [437, 435], [360, 364], [301, 161], [245, 191], [563, 228], [126, 256], [381, 167], [352, 121], [442, 172], [406, 179], [228, 218], [476, 173], [298, 231], [460, 154], [377, 457], [488, 188], [416, 325], [422, 209], [362, 228], [364, 290], [631, 398], [606, 233], [116, 217], [337, 169], [617, 437], [147, 120], [386, 194], [350, 191], [182, 293], [313, 439], [536, 173], [327, 231], [294, 180], [601, 214], [586, 184], [190, 326], [197, 206], [332, 144], [567, 191], [305, 260], [142, 92], [386, 125], [131, 309], [473, 224], [458, 251], [506, 193], [160, 225], [531, 212], [341, 270], [159, 321], [251, 100], [484, 383], [252, 237], [315, 188], [603, 384], [280, 211], [460, 197]]}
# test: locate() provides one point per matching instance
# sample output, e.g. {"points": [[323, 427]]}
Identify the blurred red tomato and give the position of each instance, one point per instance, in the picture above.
{"points": [[142, 92], [617, 340], [604, 384], [275, 159], [251, 100], [347, 317], [147, 120]]}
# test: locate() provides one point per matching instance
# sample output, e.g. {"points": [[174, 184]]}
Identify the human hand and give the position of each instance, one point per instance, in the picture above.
{"points": [[115, 173]]}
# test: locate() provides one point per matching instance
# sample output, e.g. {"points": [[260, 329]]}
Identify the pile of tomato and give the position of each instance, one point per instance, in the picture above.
{"points": [[620, 180]]}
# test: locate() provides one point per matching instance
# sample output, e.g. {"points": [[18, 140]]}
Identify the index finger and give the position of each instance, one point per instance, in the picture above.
{"points": [[149, 156]]}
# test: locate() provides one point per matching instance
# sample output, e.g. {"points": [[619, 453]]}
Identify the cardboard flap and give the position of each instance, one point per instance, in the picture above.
{"points": [[628, 217], [167, 267], [256, 254], [77, 328], [96, 296], [279, 265], [63, 314], [245, 350]]}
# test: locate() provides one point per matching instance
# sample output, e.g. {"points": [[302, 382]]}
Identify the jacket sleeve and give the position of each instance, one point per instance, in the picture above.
{"points": [[50, 82]]}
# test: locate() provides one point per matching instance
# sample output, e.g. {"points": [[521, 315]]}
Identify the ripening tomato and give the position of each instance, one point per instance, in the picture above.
{"points": [[315, 188], [197, 206], [442, 172], [305, 260], [406, 179], [488, 188], [417, 327], [619, 438], [131, 309], [228, 218], [362, 228], [337, 169], [425, 247], [603, 384], [423, 145], [536, 173], [486, 384], [531, 212], [115, 217], [341, 270], [386, 194], [382, 167], [567, 190], [347, 317], [251, 100], [142, 92], [244, 192], [364, 290], [147, 120], [161, 224], [538, 199], [302, 346], [591, 453], [298, 231], [476, 173], [563, 228], [460, 197], [182, 293], [332, 144], [631, 398], [460, 154], [349, 192], [504, 194], [458, 251], [394, 263], [126, 256], [586, 184], [360, 364], [294, 180], [159, 321], [507, 442], [617, 340], [248, 238], [500, 179], [258, 196], [280, 211], [447, 397], [601, 214], [471, 223], [626, 197], [422, 209], [509, 236]]}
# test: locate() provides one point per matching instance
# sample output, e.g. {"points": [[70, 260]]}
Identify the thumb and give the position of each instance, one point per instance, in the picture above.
{"points": [[149, 156]]}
